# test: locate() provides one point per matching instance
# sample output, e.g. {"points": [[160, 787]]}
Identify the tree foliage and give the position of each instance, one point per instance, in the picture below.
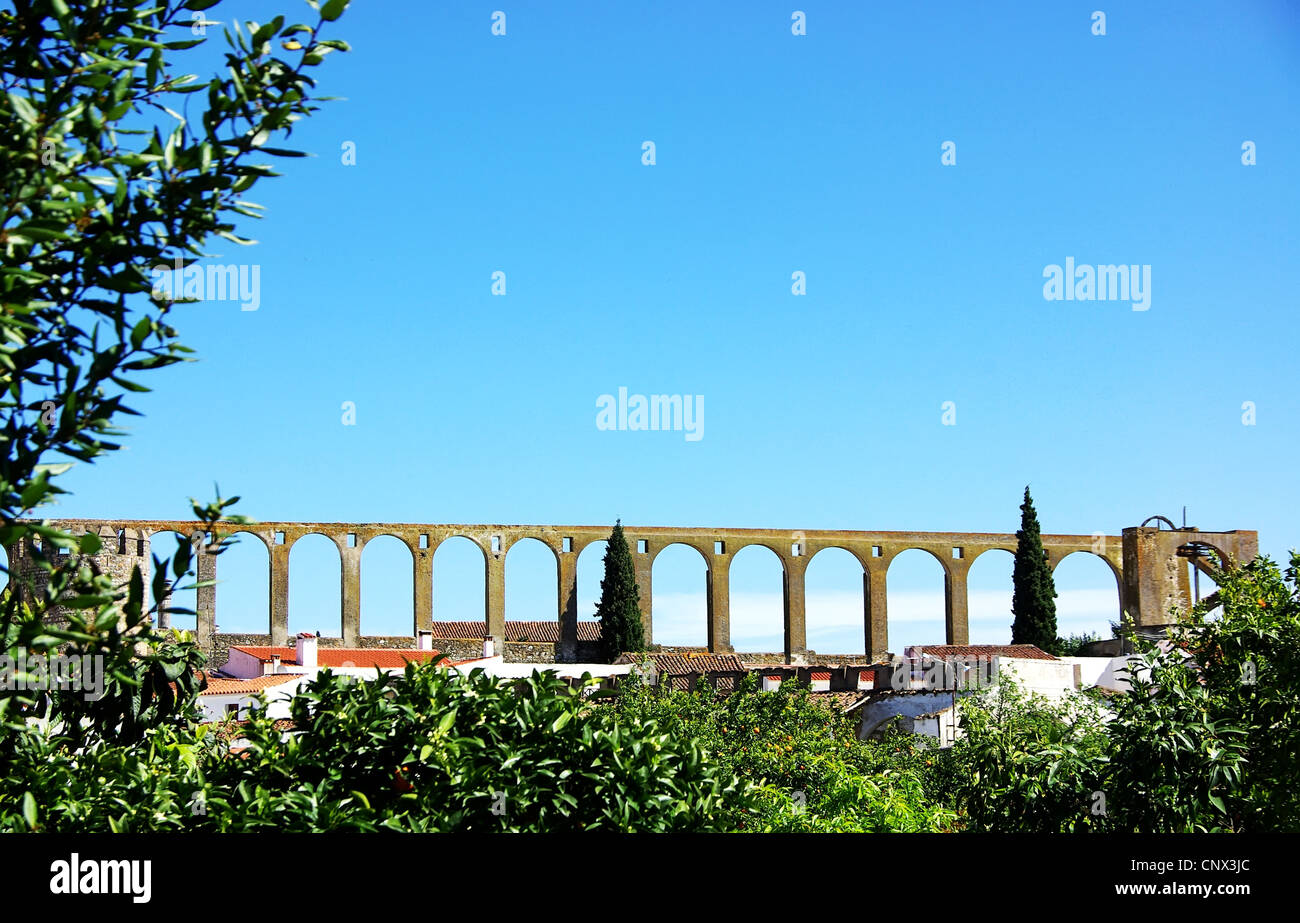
{"points": [[1033, 601], [619, 609], [102, 179], [801, 759], [1207, 740], [422, 751]]}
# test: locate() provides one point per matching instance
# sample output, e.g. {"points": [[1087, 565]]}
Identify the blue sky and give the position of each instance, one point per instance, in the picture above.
{"points": [[775, 153]]}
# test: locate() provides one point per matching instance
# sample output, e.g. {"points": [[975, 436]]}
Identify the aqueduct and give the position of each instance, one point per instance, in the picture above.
{"points": [[1143, 562]]}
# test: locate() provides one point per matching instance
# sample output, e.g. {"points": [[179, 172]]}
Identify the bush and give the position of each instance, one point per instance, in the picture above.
{"points": [[427, 750], [807, 769], [1208, 739], [1026, 764]]}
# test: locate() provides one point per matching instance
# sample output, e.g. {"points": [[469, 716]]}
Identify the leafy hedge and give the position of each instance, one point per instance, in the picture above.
{"points": [[1208, 740], [808, 770], [426, 750]]}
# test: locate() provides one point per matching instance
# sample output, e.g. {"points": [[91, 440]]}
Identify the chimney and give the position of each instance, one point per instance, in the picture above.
{"points": [[424, 640], [275, 663], [307, 650], [489, 647]]}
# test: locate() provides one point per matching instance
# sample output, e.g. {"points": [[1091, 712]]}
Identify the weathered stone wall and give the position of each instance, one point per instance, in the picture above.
{"points": [[761, 657], [117, 559], [544, 652], [1156, 582], [832, 660]]}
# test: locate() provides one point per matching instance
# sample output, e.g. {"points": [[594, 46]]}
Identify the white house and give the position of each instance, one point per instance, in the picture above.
{"points": [[228, 697], [928, 683], [307, 656]]}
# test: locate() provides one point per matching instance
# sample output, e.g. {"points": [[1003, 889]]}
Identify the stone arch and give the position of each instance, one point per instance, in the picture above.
{"points": [[457, 597], [917, 600], [1086, 599], [861, 555], [539, 584], [387, 585], [590, 570], [315, 594], [404, 536], [989, 589], [681, 616], [238, 576], [180, 597], [757, 605], [944, 562], [734, 549], [976, 555], [543, 540], [467, 537], [1197, 580], [846, 604], [658, 548], [293, 538], [1114, 568]]}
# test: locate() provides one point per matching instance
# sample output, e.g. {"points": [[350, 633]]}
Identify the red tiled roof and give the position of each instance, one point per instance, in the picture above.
{"points": [[820, 674], [384, 657], [220, 685], [681, 664], [1023, 651], [841, 700], [543, 631]]}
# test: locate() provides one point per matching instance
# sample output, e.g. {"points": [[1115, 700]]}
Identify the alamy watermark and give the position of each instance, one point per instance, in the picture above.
{"points": [[240, 282], [1098, 283], [931, 673], [662, 412], [41, 673], [76, 875]]}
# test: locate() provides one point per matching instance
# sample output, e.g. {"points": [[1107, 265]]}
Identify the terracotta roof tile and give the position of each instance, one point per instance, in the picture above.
{"points": [[682, 664], [221, 685], [540, 631], [384, 657], [1023, 651]]}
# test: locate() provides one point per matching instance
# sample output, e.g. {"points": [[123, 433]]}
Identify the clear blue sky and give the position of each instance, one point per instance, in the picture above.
{"points": [[775, 153]]}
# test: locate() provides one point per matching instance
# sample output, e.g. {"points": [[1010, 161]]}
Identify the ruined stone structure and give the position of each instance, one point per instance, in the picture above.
{"points": [[1156, 573], [1140, 561]]}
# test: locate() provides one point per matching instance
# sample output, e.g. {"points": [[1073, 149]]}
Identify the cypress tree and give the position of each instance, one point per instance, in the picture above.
{"points": [[1033, 605], [619, 609]]}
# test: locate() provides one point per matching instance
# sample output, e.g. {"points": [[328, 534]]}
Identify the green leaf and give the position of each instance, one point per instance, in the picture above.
{"points": [[333, 10], [447, 721]]}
